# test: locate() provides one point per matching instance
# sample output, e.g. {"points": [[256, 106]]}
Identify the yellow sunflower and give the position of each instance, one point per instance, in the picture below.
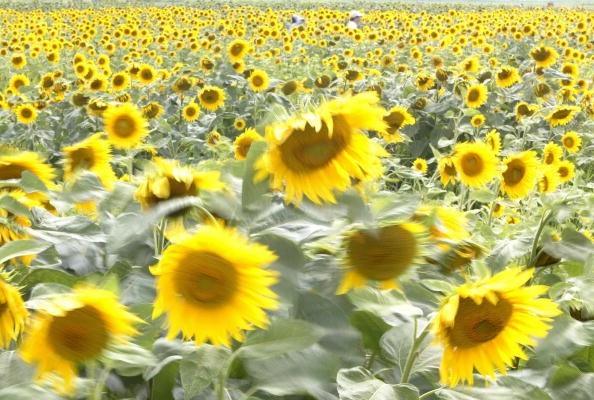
{"points": [[447, 171], [239, 124], [259, 80], [551, 154], [18, 60], [18, 81], [322, 151], [13, 164], [168, 179], [125, 126], [549, 180], [396, 118], [483, 325], [244, 141], [544, 56], [566, 171], [211, 97], [382, 255], [562, 115], [191, 112], [520, 174], [507, 76], [13, 313], [26, 113], [476, 95], [120, 81], [152, 110], [237, 49], [524, 109], [571, 141], [475, 163], [477, 120], [74, 328], [146, 74], [493, 140], [92, 154], [420, 164], [213, 285], [424, 81]]}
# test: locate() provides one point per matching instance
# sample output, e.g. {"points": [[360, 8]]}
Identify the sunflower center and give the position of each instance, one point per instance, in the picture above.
{"points": [[79, 335], [206, 279], [307, 150], [180, 189], [544, 184], [124, 126], [561, 114], [549, 158], [394, 120], [118, 80], [514, 173], [478, 323], [504, 74], [146, 74], [563, 172], [236, 49], [3, 308], [473, 95], [568, 142], [190, 111], [541, 54], [382, 254], [472, 164], [26, 113], [11, 171], [257, 81], [210, 96]]}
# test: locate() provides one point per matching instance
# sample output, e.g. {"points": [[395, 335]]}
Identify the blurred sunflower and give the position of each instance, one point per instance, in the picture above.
{"points": [[322, 151], [420, 164], [396, 118], [524, 109], [477, 120], [476, 95], [447, 171], [549, 180], [120, 81], [520, 174], [16, 82], [125, 126], [92, 154], [18, 61], [475, 163], [211, 97], [552, 153], [239, 124], [424, 81], [562, 115], [72, 329], [259, 80], [191, 112], [237, 49], [213, 285], [382, 254], [146, 74], [483, 325], [507, 76], [571, 141], [26, 113], [566, 170], [13, 164], [152, 110], [13, 314], [544, 56], [493, 140], [244, 141]]}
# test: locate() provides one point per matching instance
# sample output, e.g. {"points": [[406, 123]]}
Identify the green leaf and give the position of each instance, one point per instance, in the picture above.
{"points": [[120, 200], [129, 359], [20, 248], [572, 385], [31, 183], [371, 327], [164, 382], [572, 246], [392, 306], [253, 195], [14, 370], [201, 367], [359, 384], [47, 275], [483, 196], [406, 392], [282, 336], [15, 207]]}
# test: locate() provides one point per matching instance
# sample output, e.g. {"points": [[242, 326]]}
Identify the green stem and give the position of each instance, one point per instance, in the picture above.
{"points": [[221, 389], [429, 393], [413, 353], [546, 215], [100, 384], [159, 237], [370, 360]]}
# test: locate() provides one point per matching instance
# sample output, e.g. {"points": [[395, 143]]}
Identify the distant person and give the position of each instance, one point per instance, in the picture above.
{"points": [[296, 20], [355, 19]]}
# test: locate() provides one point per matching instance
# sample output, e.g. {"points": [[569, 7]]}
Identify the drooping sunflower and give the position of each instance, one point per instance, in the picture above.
{"points": [[13, 164], [571, 141], [551, 154], [191, 112], [92, 154], [562, 115], [125, 126], [544, 56], [493, 140], [244, 141], [524, 109], [507, 76], [152, 110], [382, 254], [322, 151], [447, 171], [213, 285], [26, 113], [483, 325], [168, 179], [13, 313], [424, 81], [549, 180], [211, 97], [396, 118], [476, 95], [475, 163], [259, 80], [520, 174], [72, 329], [566, 170], [420, 164]]}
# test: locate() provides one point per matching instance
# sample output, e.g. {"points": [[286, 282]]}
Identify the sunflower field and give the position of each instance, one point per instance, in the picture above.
{"points": [[344, 201]]}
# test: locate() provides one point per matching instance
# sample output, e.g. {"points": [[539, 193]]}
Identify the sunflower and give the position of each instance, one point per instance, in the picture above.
{"points": [[244, 141], [92, 154], [13, 164], [182, 84], [520, 174], [493, 140], [259, 80], [191, 112], [447, 171], [420, 164], [322, 151], [524, 109], [424, 82], [562, 115], [120, 81], [571, 141], [507, 76], [125, 126], [566, 171], [18, 60], [552, 153], [484, 324], [396, 118], [544, 56], [382, 255], [168, 179], [26, 113], [239, 124], [13, 313], [549, 180], [477, 120], [475, 163], [16, 82], [237, 49], [146, 74], [211, 97], [476, 95], [213, 285], [72, 329], [152, 110]]}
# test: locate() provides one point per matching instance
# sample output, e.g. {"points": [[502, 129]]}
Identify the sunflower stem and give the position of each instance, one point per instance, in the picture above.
{"points": [[413, 353], [429, 393], [100, 384], [546, 215]]}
